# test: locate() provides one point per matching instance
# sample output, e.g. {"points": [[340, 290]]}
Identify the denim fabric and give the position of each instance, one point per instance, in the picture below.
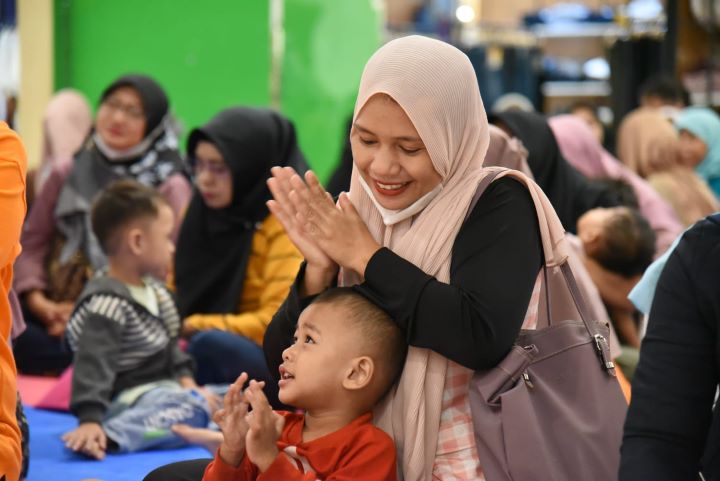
{"points": [[145, 424]]}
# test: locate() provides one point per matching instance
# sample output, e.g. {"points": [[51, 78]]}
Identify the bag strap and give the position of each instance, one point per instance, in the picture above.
{"points": [[555, 251], [481, 188]]}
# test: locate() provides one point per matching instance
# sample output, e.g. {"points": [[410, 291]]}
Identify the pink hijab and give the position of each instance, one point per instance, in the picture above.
{"points": [[580, 147], [66, 125], [436, 85]]}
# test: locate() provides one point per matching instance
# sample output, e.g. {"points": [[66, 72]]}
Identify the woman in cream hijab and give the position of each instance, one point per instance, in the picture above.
{"points": [[457, 282], [648, 144]]}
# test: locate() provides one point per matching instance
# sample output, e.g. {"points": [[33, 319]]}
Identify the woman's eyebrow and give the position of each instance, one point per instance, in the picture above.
{"points": [[406, 138]]}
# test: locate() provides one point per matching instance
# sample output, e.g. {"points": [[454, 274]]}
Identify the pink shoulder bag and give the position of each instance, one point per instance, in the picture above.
{"points": [[552, 410]]}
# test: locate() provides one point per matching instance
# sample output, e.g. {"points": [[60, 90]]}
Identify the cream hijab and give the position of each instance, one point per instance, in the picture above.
{"points": [[648, 144], [436, 86]]}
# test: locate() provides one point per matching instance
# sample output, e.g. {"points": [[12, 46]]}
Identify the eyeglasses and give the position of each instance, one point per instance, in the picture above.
{"points": [[215, 168], [130, 111]]}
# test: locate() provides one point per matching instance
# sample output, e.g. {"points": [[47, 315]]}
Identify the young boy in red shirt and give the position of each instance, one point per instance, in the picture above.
{"points": [[347, 353]]}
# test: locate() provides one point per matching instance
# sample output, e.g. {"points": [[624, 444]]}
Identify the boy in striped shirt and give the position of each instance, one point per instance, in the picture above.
{"points": [[131, 382]]}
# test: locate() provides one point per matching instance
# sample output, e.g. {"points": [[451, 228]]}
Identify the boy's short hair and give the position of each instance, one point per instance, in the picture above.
{"points": [[120, 203], [629, 244], [381, 336], [621, 190], [666, 88]]}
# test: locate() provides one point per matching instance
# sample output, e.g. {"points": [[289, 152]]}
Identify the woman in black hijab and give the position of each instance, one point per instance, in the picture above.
{"points": [[234, 264], [132, 138], [570, 193]]}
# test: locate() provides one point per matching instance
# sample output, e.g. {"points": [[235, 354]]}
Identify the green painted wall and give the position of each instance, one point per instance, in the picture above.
{"points": [[328, 43], [213, 54]]}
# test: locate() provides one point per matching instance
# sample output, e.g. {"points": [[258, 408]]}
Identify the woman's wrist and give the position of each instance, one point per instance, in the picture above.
{"points": [[35, 297], [362, 259], [317, 279], [38, 304]]}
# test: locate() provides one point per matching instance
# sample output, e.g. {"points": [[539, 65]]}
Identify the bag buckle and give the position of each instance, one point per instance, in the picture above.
{"points": [[526, 379], [601, 345]]}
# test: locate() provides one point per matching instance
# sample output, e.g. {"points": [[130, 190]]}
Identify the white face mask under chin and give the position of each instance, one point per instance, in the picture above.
{"points": [[114, 155], [392, 217]]}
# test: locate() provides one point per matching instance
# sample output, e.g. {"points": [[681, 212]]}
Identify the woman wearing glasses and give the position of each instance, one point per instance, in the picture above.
{"points": [[234, 263], [132, 138]]}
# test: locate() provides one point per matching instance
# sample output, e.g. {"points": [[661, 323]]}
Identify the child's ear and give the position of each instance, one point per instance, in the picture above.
{"points": [[359, 374], [135, 239], [592, 239]]}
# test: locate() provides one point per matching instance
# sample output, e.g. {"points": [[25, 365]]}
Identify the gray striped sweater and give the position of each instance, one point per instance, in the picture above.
{"points": [[119, 344]]}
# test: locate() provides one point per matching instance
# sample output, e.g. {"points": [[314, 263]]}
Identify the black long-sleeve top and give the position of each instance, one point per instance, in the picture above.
{"points": [[475, 319], [672, 429]]}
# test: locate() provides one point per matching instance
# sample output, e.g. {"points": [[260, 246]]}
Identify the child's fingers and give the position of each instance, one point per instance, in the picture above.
{"points": [[261, 407], [219, 416], [253, 422], [235, 392], [83, 445], [242, 379], [94, 450], [238, 385], [257, 392], [242, 410], [229, 395], [251, 418], [102, 442], [75, 443]]}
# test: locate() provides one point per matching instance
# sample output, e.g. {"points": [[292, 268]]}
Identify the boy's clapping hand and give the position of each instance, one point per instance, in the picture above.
{"points": [[265, 428], [233, 422]]}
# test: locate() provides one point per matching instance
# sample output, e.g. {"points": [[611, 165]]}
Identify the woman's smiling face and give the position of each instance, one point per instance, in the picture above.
{"points": [[390, 155]]}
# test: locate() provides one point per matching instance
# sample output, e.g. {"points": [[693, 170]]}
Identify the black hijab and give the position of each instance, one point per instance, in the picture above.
{"points": [[154, 100], [215, 244], [570, 193]]}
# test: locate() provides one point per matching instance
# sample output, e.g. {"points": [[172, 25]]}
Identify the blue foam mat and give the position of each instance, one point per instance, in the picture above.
{"points": [[50, 460]]}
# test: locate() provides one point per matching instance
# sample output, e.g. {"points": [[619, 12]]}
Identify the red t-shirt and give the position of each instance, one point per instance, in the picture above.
{"points": [[357, 452]]}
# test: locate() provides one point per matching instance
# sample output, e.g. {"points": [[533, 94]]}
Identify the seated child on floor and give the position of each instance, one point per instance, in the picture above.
{"points": [[347, 354], [131, 381], [619, 245]]}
